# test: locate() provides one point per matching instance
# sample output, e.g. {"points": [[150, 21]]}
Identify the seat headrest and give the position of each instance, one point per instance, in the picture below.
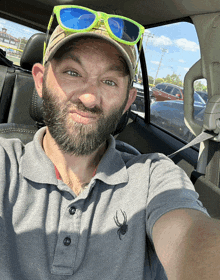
{"points": [[36, 109], [33, 51]]}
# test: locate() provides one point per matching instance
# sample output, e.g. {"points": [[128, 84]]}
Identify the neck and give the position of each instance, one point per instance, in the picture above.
{"points": [[75, 171]]}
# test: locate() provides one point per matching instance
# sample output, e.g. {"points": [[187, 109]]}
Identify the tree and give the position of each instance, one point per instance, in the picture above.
{"points": [[150, 80], [173, 79], [199, 86], [158, 81]]}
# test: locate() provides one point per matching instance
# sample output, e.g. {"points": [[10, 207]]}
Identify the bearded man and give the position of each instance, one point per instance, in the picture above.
{"points": [[74, 207]]}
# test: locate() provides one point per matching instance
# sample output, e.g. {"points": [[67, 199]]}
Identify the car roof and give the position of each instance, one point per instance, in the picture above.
{"points": [[167, 84], [36, 13]]}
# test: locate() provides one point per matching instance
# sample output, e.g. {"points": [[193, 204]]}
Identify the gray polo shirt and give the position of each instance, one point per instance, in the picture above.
{"points": [[47, 232]]}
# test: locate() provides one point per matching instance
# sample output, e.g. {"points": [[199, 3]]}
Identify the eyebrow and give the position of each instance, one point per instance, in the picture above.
{"points": [[115, 67], [74, 58]]}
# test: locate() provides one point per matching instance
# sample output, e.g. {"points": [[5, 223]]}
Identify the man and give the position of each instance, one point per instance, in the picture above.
{"points": [[74, 207]]}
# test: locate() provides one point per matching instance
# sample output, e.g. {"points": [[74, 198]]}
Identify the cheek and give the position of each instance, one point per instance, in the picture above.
{"points": [[115, 102], [56, 88]]}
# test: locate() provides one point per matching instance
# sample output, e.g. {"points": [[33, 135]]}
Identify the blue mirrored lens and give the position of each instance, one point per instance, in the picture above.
{"points": [[75, 18], [123, 29]]}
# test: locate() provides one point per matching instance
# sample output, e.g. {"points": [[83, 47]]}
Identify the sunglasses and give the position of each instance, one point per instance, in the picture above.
{"points": [[76, 19]]}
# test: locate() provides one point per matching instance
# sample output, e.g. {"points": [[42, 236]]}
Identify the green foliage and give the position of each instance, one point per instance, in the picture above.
{"points": [[150, 80], [159, 80], [173, 79], [199, 86], [151, 85]]}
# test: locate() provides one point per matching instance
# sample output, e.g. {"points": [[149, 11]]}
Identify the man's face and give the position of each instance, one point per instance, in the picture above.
{"points": [[84, 93]]}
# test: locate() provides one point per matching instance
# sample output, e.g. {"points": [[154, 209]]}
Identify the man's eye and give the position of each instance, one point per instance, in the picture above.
{"points": [[72, 73], [110, 83]]}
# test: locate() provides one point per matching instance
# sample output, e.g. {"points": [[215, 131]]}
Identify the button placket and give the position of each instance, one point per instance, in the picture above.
{"points": [[67, 243]]}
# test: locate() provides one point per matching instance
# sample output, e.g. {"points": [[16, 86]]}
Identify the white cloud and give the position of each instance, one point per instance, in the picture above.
{"points": [[186, 45], [186, 69], [161, 41], [181, 60], [146, 32], [155, 62]]}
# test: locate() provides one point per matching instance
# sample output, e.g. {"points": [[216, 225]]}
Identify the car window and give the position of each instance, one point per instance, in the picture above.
{"points": [[177, 92], [161, 87], [13, 38], [168, 89], [170, 51]]}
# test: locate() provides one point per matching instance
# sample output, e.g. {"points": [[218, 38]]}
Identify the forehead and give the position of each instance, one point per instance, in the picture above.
{"points": [[88, 46]]}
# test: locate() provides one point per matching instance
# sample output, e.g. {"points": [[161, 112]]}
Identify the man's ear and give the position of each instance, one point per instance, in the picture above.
{"points": [[131, 98], [38, 73]]}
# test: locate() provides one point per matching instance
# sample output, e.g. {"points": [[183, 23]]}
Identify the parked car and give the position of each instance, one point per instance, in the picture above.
{"points": [[165, 91], [169, 115], [203, 94]]}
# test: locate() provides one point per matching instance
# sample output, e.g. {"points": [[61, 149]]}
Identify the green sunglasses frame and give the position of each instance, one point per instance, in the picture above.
{"points": [[99, 17]]}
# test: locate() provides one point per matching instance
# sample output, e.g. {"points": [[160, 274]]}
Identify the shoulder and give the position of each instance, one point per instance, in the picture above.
{"points": [[154, 161], [10, 149]]}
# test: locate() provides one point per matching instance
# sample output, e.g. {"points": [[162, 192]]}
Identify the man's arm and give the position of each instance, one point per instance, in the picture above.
{"points": [[187, 243]]}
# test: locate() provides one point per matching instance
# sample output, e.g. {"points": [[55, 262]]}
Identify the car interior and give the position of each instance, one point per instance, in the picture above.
{"points": [[21, 108]]}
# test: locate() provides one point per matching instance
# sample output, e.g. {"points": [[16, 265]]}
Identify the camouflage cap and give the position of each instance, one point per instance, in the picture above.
{"points": [[60, 37]]}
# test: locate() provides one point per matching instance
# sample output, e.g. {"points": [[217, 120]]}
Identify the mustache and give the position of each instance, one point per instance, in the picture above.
{"points": [[81, 107]]}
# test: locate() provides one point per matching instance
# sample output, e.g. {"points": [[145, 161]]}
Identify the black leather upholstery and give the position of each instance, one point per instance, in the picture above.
{"points": [[36, 109], [15, 96], [21, 131], [6, 94], [33, 51], [21, 98], [19, 85]]}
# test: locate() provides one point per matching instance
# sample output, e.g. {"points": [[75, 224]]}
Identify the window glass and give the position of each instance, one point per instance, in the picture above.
{"points": [[176, 92], [138, 105], [170, 51], [161, 87], [13, 38], [168, 89]]}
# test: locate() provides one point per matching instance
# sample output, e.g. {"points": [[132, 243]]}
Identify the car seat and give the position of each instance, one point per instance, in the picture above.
{"points": [[16, 83]]}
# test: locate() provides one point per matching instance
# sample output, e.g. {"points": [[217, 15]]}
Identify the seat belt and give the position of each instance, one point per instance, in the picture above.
{"points": [[203, 136]]}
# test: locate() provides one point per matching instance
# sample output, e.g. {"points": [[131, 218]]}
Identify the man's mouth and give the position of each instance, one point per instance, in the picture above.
{"points": [[83, 117]]}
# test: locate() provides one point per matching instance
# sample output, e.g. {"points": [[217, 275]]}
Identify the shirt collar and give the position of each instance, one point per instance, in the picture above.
{"points": [[35, 164], [37, 167]]}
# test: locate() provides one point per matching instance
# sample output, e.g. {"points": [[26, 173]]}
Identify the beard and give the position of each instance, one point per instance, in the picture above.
{"points": [[76, 138]]}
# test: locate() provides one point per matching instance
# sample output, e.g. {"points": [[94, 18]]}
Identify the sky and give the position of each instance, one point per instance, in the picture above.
{"points": [[17, 30], [182, 49], [179, 40]]}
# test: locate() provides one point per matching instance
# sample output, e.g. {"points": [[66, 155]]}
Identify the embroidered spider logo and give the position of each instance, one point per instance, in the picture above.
{"points": [[123, 228]]}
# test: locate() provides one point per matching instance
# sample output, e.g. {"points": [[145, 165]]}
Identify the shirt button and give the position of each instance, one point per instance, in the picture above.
{"points": [[67, 241], [72, 210]]}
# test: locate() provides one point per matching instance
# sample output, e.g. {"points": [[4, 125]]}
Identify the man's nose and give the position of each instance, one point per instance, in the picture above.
{"points": [[90, 97]]}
